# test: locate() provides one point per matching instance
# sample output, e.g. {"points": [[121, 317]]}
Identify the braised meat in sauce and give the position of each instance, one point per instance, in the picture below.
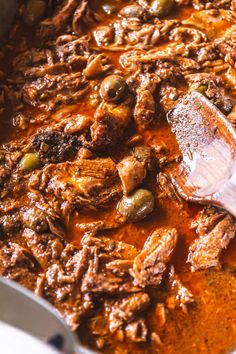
{"points": [[89, 217]]}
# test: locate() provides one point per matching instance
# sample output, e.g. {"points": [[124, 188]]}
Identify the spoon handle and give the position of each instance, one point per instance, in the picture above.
{"points": [[226, 196]]}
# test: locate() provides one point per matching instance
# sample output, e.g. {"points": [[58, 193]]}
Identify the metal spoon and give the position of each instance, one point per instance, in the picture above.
{"points": [[22, 309]]}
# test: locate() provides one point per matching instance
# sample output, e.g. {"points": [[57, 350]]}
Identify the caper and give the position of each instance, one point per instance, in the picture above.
{"points": [[34, 11], [161, 8], [144, 154], [29, 161], [136, 206], [112, 88], [131, 11]]}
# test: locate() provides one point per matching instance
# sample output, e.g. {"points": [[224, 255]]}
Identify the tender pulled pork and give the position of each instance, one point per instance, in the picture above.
{"points": [[215, 229]]}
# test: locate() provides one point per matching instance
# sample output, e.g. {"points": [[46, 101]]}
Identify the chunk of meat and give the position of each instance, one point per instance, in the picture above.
{"points": [[51, 91], [179, 294], [72, 50], [103, 35], [137, 331], [132, 33], [65, 296], [16, 263], [215, 229], [167, 188], [35, 219], [124, 310], [106, 132], [145, 155], [83, 16], [106, 283], [109, 126], [46, 248], [151, 262], [88, 183], [55, 24], [145, 108], [227, 46], [55, 147], [131, 172]]}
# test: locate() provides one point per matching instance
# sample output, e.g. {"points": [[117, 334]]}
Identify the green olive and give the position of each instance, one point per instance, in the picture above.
{"points": [[202, 88], [112, 88], [131, 11], [34, 11], [29, 161], [161, 8], [136, 206]]}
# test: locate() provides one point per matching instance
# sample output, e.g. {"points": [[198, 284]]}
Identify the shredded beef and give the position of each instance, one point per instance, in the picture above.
{"points": [[89, 183], [137, 331], [215, 229], [51, 95], [51, 91], [104, 133], [179, 294], [131, 33], [46, 248], [51, 26], [150, 264], [126, 309], [145, 108], [17, 263]]}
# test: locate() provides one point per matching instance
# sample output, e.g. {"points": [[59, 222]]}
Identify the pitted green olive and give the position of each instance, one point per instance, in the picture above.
{"points": [[161, 8], [29, 161], [136, 206], [112, 88], [202, 88], [131, 11]]}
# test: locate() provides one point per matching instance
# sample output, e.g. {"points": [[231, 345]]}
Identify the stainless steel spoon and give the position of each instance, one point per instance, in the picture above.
{"points": [[24, 310]]}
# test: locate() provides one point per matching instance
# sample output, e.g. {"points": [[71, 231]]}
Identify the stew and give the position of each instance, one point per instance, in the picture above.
{"points": [[89, 217]]}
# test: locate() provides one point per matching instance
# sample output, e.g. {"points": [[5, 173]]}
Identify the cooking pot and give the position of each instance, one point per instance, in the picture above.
{"points": [[7, 14], [14, 297], [8, 10]]}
